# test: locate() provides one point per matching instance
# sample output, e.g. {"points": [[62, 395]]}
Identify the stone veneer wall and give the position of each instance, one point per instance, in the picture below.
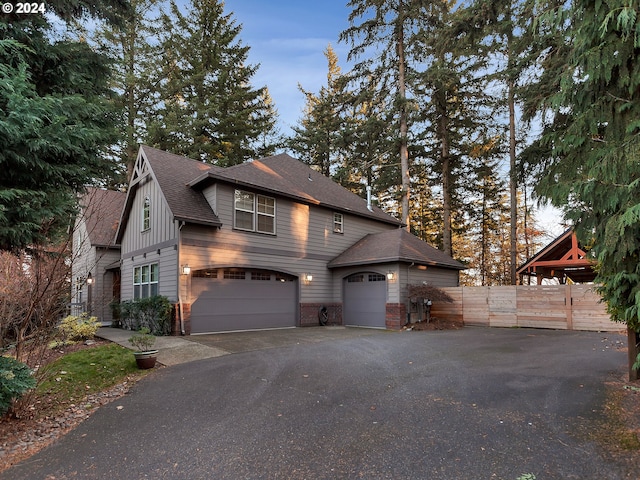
{"points": [[310, 314]]}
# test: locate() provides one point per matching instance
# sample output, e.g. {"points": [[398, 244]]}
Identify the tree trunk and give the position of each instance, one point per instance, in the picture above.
{"points": [[404, 149], [513, 187]]}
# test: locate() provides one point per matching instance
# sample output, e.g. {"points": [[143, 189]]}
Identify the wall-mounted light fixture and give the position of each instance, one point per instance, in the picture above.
{"points": [[307, 277], [391, 276], [89, 279], [186, 269]]}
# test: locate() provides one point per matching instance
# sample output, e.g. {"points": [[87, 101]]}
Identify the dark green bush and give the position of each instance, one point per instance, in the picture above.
{"points": [[15, 380], [153, 313]]}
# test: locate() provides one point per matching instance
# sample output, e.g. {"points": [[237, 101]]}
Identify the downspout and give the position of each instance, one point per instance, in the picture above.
{"points": [[408, 320], [180, 311]]}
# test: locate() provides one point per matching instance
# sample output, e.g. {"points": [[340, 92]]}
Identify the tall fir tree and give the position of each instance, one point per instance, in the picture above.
{"points": [[318, 139], [132, 48], [55, 121], [209, 109], [452, 104], [379, 33]]}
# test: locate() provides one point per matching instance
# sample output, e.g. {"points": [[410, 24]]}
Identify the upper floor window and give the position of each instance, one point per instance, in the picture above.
{"points": [[338, 223], [145, 281], [253, 212], [146, 214]]}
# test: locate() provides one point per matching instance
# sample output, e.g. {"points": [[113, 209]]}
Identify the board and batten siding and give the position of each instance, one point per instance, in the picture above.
{"points": [[162, 226], [304, 241]]}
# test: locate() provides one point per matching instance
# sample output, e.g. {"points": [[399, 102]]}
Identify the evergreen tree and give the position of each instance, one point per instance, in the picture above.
{"points": [[317, 141], [380, 42], [453, 105], [209, 110], [590, 145], [55, 122], [132, 48]]}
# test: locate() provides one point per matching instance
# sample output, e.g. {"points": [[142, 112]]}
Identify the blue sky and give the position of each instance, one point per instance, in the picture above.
{"points": [[288, 38]]}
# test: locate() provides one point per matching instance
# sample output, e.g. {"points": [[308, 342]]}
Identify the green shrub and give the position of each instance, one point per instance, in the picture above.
{"points": [[143, 340], [15, 380], [153, 313], [76, 328]]}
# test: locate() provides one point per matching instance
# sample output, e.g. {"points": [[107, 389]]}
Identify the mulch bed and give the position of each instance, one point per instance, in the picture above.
{"points": [[435, 324]]}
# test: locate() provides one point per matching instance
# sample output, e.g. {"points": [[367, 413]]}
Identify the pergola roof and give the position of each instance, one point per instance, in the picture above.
{"points": [[563, 258]]}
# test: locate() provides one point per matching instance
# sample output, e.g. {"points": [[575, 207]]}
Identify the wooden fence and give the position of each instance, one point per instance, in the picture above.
{"points": [[566, 307]]}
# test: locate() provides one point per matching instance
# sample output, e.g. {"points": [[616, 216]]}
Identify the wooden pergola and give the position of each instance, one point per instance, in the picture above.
{"points": [[564, 259]]}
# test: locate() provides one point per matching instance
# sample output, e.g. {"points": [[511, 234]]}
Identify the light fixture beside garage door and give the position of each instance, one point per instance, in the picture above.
{"points": [[307, 278], [186, 269]]}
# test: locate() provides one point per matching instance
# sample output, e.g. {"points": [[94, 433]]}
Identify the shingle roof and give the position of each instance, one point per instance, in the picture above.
{"points": [[173, 173], [393, 246], [101, 212], [286, 176]]}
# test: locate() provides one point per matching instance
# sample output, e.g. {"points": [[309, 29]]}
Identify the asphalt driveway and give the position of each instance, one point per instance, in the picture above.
{"points": [[473, 403]]}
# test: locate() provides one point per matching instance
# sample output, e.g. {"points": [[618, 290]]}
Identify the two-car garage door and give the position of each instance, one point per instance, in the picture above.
{"points": [[239, 299]]}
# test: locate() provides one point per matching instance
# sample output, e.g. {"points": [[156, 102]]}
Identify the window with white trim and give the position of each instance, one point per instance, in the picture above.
{"points": [[338, 223], [145, 281], [146, 214], [254, 212]]}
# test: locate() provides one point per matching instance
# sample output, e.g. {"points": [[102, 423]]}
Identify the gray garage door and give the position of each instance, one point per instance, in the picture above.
{"points": [[234, 299], [365, 300]]}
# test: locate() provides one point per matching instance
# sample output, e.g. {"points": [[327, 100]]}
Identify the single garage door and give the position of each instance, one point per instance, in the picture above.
{"points": [[365, 300], [240, 299]]}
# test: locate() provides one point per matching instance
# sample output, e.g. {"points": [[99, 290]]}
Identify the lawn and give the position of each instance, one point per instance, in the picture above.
{"points": [[75, 380]]}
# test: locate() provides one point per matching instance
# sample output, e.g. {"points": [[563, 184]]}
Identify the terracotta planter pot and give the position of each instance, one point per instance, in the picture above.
{"points": [[146, 360]]}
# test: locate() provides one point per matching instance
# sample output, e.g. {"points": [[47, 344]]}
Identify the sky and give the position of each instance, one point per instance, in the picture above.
{"points": [[288, 38]]}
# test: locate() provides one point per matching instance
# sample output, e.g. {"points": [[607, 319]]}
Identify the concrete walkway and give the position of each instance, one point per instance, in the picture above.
{"points": [[171, 350]]}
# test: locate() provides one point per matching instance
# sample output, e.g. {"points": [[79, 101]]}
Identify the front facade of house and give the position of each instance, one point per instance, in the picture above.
{"points": [[265, 244]]}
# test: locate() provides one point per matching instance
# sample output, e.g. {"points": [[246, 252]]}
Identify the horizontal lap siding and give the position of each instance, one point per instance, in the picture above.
{"points": [[304, 242]]}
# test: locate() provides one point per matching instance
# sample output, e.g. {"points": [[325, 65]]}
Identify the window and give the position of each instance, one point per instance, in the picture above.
{"points": [[146, 214], [376, 277], [234, 275], [338, 223], [355, 279], [260, 276], [145, 281], [255, 213]]}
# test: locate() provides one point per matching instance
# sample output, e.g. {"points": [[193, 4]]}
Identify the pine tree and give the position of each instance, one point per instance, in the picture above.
{"points": [[55, 122], [209, 109]]}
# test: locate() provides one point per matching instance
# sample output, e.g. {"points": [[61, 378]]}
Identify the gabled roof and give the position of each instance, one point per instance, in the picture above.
{"points": [[563, 257], [172, 173], [393, 246], [285, 176], [101, 211]]}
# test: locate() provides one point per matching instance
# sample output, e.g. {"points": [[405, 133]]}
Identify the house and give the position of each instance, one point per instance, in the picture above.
{"points": [[95, 268], [266, 244], [563, 259]]}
